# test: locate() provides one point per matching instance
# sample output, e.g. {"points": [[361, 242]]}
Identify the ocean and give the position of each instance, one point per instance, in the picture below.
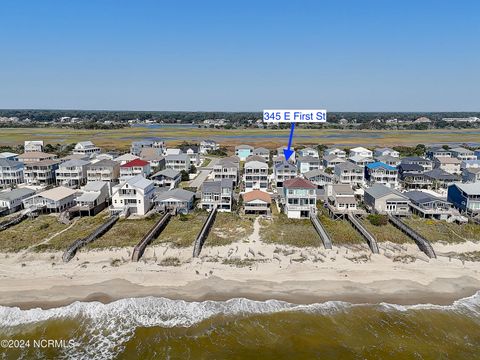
{"points": [[160, 328]]}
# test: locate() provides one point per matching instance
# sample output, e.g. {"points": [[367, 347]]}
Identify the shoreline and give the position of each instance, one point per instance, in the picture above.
{"points": [[399, 275], [302, 293]]}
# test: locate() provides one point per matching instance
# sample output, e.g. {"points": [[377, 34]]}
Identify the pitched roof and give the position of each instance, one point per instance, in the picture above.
{"points": [[448, 160], [348, 166], [298, 183], [421, 197], [255, 158], [469, 189], [379, 164], [104, 163], [316, 172], [257, 195], [243, 147], [136, 162], [94, 186], [378, 190], [261, 150], [333, 157], [439, 174], [9, 163], [285, 165], [74, 162], [343, 189], [16, 193], [138, 181], [216, 186], [308, 158], [35, 155], [126, 157], [170, 173], [180, 194], [57, 193]]}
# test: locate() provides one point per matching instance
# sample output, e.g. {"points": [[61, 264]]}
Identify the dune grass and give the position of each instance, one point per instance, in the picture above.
{"points": [[441, 231], [387, 232], [229, 228], [29, 232], [125, 233], [182, 230], [341, 231], [294, 232]]}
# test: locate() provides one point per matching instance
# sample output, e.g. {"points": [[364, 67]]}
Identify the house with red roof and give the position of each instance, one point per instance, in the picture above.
{"points": [[257, 202], [135, 167], [299, 198]]}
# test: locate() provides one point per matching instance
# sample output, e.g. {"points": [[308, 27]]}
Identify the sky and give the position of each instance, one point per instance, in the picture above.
{"points": [[240, 55]]}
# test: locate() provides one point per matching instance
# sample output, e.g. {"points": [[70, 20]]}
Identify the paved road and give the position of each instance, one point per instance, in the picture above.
{"points": [[198, 181]]}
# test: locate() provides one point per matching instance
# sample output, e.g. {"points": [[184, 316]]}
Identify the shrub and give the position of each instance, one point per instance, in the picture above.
{"points": [[378, 220]]}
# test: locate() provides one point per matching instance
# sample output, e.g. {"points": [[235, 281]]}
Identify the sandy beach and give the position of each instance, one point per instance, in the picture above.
{"points": [[400, 274]]}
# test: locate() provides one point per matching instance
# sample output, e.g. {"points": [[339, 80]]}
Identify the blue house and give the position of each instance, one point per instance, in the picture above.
{"points": [[381, 173], [465, 197]]}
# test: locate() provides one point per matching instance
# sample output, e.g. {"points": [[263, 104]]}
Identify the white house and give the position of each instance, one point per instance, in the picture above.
{"points": [[255, 174], [208, 145], [300, 198], [178, 162], [11, 172], [308, 163], [308, 151], [86, 148], [53, 200], [448, 164], [360, 151], [336, 152], [33, 145], [135, 194], [386, 152]]}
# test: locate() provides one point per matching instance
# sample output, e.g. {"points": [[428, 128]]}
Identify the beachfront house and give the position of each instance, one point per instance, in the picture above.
{"points": [[227, 168], [256, 202], [177, 200], [284, 171], [255, 174], [429, 206], [11, 173], [465, 197], [180, 162], [167, 178], [217, 194], [40, 172], [349, 173], [299, 198], [385, 200], [243, 151], [93, 199], [133, 195], [86, 148], [341, 197], [72, 173], [57, 199], [308, 163], [12, 200], [381, 173], [135, 167]]}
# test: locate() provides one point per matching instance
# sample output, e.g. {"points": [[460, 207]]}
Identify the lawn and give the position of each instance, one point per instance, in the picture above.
{"points": [[340, 231], [125, 233], [81, 228], [182, 230], [285, 231], [386, 232], [228, 228], [29, 232], [435, 230]]}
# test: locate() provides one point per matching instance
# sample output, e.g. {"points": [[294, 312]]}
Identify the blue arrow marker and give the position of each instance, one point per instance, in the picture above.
{"points": [[288, 152]]}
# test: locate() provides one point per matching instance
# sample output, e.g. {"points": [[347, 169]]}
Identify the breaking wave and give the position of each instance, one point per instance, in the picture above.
{"points": [[108, 326]]}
